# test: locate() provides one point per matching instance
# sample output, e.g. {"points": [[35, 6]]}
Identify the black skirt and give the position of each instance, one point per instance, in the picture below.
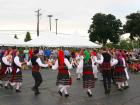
{"points": [[63, 79]]}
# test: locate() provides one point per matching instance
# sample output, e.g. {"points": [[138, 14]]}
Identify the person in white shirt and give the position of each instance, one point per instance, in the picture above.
{"points": [[4, 67], [64, 77], [17, 73], [36, 64], [7, 60], [120, 73], [87, 65], [79, 57]]}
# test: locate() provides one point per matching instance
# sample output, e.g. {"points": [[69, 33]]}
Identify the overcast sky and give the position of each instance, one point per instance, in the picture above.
{"points": [[74, 15]]}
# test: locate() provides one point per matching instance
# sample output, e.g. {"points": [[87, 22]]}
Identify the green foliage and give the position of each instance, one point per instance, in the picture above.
{"points": [[132, 25], [105, 27], [126, 44], [28, 37], [15, 36]]}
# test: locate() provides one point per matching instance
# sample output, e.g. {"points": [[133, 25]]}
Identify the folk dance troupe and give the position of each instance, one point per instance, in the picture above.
{"points": [[110, 66]]}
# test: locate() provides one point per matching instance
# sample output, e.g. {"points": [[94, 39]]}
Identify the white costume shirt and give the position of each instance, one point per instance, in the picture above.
{"points": [[17, 62], [80, 69], [56, 65], [5, 61], [81, 63], [38, 60]]}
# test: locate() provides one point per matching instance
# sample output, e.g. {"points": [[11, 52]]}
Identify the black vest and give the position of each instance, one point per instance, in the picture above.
{"points": [[87, 67], [33, 60]]}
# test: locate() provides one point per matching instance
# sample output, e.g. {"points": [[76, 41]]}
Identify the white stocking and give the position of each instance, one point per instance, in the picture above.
{"points": [[17, 86], [119, 84], [79, 75], [65, 90], [6, 83], [62, 89], [126, 83], [89, 90]]}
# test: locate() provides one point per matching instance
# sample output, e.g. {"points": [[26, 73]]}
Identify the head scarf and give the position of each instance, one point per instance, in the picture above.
{"points": [[61, 57], [119, 55], [87, 56], [93, 53]]}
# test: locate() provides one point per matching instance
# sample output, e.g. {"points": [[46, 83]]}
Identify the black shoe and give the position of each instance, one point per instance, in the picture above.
{"points": [[125, 87], [37, 93], [11, 87], [18, 91], [6, 87], [60, 93], [78, 78], [96, 79], [120, 89], [89, 94], [66, 95], [1, 85]]}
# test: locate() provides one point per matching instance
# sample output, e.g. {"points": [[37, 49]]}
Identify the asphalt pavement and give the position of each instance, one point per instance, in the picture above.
{"points": [[78, 95]]}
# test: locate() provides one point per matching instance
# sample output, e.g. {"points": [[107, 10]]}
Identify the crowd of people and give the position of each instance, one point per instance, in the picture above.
{"points": [[112, 64]]}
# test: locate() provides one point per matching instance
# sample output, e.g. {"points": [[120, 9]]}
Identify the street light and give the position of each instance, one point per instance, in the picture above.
{"points": [[56, 25], [50, 16]]}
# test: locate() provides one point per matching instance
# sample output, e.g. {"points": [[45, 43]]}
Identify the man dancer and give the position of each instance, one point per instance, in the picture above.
{"points": [[36, 64], [106, 70]]}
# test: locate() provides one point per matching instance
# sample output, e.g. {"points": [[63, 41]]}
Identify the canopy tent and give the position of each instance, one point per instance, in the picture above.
{"points": [[53, 40], [49, 40], [6, 40]]}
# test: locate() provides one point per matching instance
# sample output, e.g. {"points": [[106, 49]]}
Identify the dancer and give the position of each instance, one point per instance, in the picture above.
{"points": [[36, 64], [106, 70], [4, 66], [17, 73], [120, 73], [88, 76], [64, 80], [8, 72], [79, 57]]}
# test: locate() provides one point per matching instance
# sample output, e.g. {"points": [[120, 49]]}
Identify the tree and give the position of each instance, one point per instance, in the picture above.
{"points": [[28, 37], [15, 36], [132, 26], [125, 44], [105, 27]]}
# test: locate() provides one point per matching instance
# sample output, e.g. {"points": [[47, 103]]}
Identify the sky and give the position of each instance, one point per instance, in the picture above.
{"points": [[74, 16]]}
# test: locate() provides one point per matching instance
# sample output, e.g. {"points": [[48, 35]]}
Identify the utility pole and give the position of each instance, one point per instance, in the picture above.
{"points": [[50, 16], [56, 25], [38, 20]]}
